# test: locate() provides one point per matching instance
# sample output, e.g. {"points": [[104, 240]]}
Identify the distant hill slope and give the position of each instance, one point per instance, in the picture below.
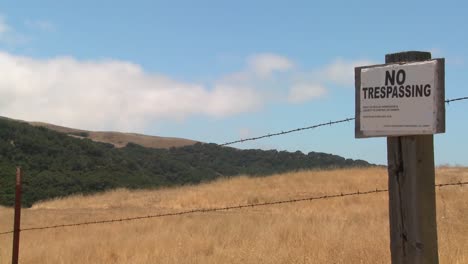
{"points": [[119, 139], [56, 164]]}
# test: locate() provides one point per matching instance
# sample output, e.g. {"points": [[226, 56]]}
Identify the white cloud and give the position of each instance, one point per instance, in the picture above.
{"points": [[341, 72], [42, 25], [267, 63], [120, 95], [4, 27], [108, 94], [8, 35], [304, 92]]}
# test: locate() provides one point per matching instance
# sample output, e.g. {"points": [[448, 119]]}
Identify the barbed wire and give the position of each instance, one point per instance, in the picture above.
{"points": [[226, 208], [456, 99], [459, 183], [205, 210], [289, 131], [330, 123]]}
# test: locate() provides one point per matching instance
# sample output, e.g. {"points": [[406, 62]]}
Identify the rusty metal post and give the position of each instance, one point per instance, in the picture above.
{"points": [[16, 229]]}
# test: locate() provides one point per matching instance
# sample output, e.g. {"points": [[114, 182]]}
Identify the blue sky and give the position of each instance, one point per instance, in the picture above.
{"points": [[216, 71]]}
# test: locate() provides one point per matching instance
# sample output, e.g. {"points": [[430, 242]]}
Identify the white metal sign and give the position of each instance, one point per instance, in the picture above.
{"points": [[400, 99]]}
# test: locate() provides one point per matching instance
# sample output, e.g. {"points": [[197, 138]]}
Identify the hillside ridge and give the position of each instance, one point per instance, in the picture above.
{"points": [[119, 139], [56, 164], [116, 138]]}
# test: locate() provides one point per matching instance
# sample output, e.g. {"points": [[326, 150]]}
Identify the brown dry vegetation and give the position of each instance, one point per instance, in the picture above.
{"points": [[340, 230], [119, 139]]}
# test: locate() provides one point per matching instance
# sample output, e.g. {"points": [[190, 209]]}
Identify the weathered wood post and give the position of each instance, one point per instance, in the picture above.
{"points": [[404, 100], [16, 229], [411, 188]]}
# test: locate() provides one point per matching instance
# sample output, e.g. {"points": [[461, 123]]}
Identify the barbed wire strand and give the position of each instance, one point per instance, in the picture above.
{"points": [[312, 127], [456, 99], [204, 210], [215, 209], [289, 131]]}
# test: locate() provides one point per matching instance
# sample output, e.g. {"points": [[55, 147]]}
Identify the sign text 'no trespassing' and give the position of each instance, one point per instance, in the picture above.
{"points": [[400, 99]]}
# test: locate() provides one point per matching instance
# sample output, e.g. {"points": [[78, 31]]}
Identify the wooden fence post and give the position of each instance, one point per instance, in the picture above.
{"points": [[16, 229], [411, 182]]}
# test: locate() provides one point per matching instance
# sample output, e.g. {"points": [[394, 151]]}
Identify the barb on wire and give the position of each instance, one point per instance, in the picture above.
{"points": [[314, 126], [215, 209], [456, 99], [459, 183], [288, 131]]}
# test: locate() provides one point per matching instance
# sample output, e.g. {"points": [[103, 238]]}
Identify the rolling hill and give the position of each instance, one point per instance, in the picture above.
{"points": [[119, 139], [56, 164]]}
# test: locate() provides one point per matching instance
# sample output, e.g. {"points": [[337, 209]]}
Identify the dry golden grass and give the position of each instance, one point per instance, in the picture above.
{"points": [[342, 230], [119, 139]]}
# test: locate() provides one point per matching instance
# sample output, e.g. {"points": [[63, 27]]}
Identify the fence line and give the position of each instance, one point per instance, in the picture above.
{"points": [[456, 99], [289, 131], [330, 123], [226, 208], [252, 205]]}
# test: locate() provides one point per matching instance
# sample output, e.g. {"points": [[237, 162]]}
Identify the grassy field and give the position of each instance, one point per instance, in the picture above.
{"points": [[342, 230]]}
